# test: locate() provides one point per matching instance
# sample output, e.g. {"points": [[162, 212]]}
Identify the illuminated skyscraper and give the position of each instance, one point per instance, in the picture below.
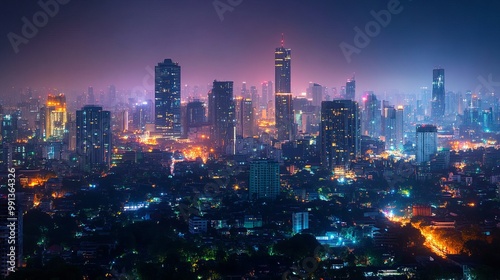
{"points": [[371, 119], [350, 89], [284, 117], [143, 114], [283, 98], [438, 97], [221, 114], [340, 133], [389, 127], [9, 129], [426, 142], [55, 117], [400, 125], [168, 99], [93, 137], [282, 70], [244, 90], [244, 117]]}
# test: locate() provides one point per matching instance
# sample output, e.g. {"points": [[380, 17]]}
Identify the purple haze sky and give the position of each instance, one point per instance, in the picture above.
{"points": [[107, 42]]}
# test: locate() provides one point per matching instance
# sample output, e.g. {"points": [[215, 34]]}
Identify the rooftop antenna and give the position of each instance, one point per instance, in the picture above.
{"points": [[282, 40]]}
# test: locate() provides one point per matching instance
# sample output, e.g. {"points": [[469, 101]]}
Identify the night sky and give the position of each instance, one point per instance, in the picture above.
{"points": [[98, 43]]}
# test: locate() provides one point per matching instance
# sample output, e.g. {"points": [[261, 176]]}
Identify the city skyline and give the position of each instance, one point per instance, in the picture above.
{"points": [[153, 141], [401, 51]]}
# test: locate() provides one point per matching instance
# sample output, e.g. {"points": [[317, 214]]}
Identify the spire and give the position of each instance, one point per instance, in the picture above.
{"points": [[282, 40]]}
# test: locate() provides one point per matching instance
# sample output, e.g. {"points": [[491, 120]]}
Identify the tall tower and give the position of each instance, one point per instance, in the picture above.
{"points": [[168, 99], [371, 118], [221, 114], [282, 70], [350, 89], [389, 127], [55, 117], [93, 137], [438, 96], [340, 133], [426, 142], [400, 125], [284, 117], [244, 117], [316, 91], [264, 179], [283, 99]]}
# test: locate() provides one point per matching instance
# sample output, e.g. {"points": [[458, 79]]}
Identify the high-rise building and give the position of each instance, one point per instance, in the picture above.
{"points": [[389, 127], [340, 133], [143, 114], [244, 117], [196, 113], [282, 70], [254, 95], [316, 91], [284, 117], [283, 97], [90, 96], [300, 222], [426, 142], [267, 94], [9, 129], [93, 137], [350, 89], [124, 118], [264, 179], [168, 99], [400, 126], [221, 115], [70, 136], [244, 90], [438, 96], [55, 117], [371, 118]]}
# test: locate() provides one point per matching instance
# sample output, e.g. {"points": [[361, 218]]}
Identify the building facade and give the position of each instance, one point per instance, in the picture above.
{"points": [[168, 99], [264, 179], [340, 133], [438, 94], [426, 142], [222, 115], [93, 137]]}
